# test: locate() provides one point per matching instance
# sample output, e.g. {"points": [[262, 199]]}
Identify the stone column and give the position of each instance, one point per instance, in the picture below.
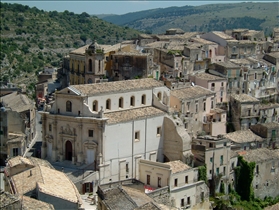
{"points": [[54, 149]]}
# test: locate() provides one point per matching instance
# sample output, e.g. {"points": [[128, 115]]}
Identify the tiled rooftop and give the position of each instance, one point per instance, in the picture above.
{"points": [[269, 106], [251, 33], [244, 98], [241, 61], [203, 41], [271, 125], [222, 35], [118, 199], [139, 197], [274, 54], [149, 206], [132, 114], [7, 199], [18, 160], [49, 181], [17, 102], [240, 29], [260, 155], [118, 86], [57, 184], [34, 204], [243, 136], [209, 77], [177, 166], [132, 53], [107, 48], [191, 92], [227, 64]]}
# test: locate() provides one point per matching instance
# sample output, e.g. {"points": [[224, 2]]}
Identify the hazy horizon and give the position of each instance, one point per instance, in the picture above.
{"points": [[113, 7]]}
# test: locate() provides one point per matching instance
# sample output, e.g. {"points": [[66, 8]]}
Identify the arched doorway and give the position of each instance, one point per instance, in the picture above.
{"points": [[68, 150]]}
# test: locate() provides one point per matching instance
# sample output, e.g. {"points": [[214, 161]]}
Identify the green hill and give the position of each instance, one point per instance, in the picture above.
{"points": [[257, 16], [33, 38]]}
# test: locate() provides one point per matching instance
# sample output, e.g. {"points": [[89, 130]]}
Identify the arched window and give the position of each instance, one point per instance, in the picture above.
{"points": [[68, 106], [159, 95], [120, 103], [90, 65], [132, 101], [143, 99], [95, 106], [89, 81], [108, 104]]}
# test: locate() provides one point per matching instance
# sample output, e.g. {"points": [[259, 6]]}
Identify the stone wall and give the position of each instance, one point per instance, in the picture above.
{"points": [[161, 195]]}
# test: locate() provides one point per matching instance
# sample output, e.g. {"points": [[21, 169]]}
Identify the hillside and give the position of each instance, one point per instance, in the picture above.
{"points": [[257, 16], [33, 38]]}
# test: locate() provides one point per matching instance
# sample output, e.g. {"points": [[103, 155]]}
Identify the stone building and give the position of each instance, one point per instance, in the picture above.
{"points": [[92, 63], [215, 153], [231, 72], [196, 108], [110, 126], [185, 191], [268, 131], [213, 83], [269, 113], [266, 173], [127, 65], [130, 195], [244, 111], [246, 140], [246, 34], [240, 48], [17, 124], [14, 202], [37, 179]]}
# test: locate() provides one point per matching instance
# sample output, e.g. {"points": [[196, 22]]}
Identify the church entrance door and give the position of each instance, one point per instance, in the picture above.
{"points": [[69, 150]]}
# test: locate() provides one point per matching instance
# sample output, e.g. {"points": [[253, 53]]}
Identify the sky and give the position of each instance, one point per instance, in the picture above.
{"points": [[111, 7]]}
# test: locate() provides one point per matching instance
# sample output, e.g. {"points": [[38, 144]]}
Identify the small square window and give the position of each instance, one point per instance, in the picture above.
{"points": [[90, 133], [175, 182], [159, 131], [137, 136]]}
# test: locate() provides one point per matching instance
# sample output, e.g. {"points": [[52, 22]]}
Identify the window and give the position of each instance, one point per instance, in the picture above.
{"points": [[58, 111], [210, 145], [132, 101], [255, 75], [90, 65], [108, 103], [15, 151], [120, 103], [221, 160], [148, 179], [188, 201], [175, 182], [68, 106], [217, 171], [186, 179], [257, 169], [137, 136], [90, 133], [143, 99], [197, 108], [159, 131], [49, 127], [204, 106], [188, 106], [212, 104], [211, 159], [159, 95], [95, 106], [210, 171], [182, 202], [127, 167], [224, 170], [159, 181], [213, 86], [222, 84]]}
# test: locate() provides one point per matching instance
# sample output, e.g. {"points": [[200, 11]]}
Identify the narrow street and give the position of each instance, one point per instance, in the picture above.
{"points": [[35, 145]]}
